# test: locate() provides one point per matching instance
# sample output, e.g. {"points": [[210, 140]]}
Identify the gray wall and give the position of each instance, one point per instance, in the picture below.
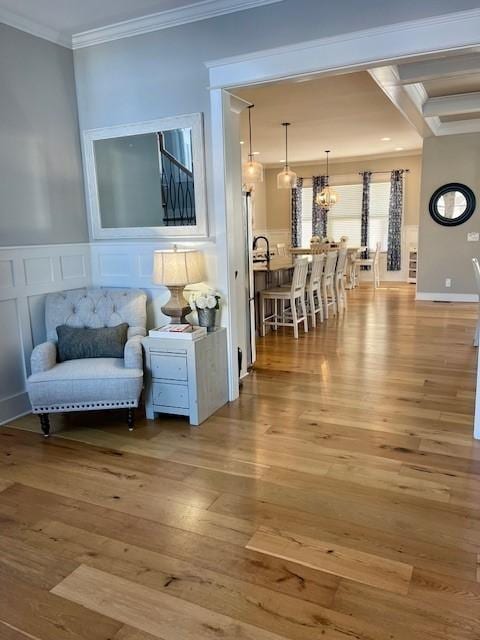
{"points": [[41, 184], [444, 252], [163, 73]]}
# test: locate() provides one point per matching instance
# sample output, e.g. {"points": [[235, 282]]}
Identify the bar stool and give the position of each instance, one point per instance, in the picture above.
{"points": [[314, 288], [328, 283], [340, 292], [295, 294]]}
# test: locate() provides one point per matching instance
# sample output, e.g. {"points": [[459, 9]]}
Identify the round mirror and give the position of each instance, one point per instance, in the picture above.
{"points": [[452, 204]]}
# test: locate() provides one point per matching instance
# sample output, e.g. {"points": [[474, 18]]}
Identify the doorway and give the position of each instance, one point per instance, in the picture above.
{"points": [[416, 41]]}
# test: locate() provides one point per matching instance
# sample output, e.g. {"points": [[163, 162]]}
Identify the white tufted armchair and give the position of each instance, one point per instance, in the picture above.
{"points": [[90, 383]]}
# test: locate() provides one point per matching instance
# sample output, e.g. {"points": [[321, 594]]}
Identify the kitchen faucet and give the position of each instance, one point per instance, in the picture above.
{"points": [[256, 239]]}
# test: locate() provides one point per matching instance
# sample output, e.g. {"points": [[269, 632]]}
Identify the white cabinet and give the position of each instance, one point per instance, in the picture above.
{"points": [[186, 377], [412, 263]]}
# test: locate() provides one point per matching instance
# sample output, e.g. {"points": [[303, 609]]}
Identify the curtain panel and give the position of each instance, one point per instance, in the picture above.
{"points": [[366, 181], [395, 213], [319, 214], [297, 213]]}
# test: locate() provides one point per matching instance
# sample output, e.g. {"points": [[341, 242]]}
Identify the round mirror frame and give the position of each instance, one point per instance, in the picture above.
{"points": [[446, 188]]}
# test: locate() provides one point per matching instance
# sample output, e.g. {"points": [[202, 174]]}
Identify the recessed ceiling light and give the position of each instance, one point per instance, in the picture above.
{"points": [[386, 139], [398, 148], [242, 142], [255, 153]]}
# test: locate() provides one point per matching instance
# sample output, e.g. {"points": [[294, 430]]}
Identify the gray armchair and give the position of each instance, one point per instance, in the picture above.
{"points": [[89, 383]]}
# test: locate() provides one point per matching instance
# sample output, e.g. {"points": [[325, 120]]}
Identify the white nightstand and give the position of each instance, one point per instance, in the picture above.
{"points": [[186, 377]]}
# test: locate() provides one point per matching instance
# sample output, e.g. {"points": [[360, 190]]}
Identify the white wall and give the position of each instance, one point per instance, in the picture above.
{"points": [[27, 274]]}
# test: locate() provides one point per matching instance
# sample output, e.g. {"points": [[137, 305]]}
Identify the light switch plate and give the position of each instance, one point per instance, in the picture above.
{"points": [[473, 236]]}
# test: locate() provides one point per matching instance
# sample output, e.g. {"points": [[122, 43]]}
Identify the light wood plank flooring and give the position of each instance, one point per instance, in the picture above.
{"points": [[338, 498]]}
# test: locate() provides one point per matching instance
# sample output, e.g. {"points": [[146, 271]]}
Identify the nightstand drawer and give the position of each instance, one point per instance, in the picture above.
{"points": [[169, 367], [170, 395]]}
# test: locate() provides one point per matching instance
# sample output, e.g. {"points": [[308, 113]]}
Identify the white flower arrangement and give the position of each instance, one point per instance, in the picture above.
{"points": [[205, 300]]}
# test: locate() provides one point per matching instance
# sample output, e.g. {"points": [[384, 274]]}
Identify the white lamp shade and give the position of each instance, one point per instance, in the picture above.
{"points": [[286, 179], [252, 172], [178, 268]]}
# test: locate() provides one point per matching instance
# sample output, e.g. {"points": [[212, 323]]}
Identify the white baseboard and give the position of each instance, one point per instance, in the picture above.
{"points": [[447, 297], [14, 407]]}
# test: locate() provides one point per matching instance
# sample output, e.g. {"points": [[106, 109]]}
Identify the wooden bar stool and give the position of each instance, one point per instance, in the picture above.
{"points": [[295, 295]]}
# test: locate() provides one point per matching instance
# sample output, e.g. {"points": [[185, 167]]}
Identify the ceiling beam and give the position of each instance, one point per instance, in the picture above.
{"points": [[413, 72], [408, 100], [452, 105]]}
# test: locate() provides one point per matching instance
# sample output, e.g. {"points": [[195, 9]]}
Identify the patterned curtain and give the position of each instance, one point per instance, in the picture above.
{"points": [[366, 180], [319, 214], [395, 211], [297, 213]]}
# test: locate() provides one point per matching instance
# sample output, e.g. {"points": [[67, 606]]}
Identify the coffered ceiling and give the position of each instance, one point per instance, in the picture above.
{"points": [[439, 95]]}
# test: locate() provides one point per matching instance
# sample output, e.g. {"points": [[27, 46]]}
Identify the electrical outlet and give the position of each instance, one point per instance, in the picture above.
{"points": [[473, 236], [448, 282]]}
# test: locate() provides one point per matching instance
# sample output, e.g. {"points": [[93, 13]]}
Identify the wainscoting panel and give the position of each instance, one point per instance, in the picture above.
{"points": [[27, 274], [130, 264]]}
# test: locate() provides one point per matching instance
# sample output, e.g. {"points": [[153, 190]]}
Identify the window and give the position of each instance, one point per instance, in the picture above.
{"points": [[344, 219], [307, 203], [378, 222]]}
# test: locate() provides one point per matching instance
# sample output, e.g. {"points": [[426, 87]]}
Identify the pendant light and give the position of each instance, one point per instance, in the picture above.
{"points": [[252, 170], [286, 179], [327, 197]]}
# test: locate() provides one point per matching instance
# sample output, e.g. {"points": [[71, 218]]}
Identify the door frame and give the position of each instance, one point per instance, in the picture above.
{"points": [[356, 51]]}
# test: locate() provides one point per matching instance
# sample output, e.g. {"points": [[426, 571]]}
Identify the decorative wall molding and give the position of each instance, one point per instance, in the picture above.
{"points": [[164, 20], [350, 51], [33, 28], [27, 274]]}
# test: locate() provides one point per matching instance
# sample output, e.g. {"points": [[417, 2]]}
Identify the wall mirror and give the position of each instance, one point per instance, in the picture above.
{"points": [[452, 204], [147, 180]]}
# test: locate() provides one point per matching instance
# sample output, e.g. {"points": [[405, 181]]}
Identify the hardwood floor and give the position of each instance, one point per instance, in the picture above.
{"points": [[338, 498]]}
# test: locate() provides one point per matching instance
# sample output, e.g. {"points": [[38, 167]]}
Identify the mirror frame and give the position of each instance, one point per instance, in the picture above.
{"points": [[446, 188], [199, 230]]}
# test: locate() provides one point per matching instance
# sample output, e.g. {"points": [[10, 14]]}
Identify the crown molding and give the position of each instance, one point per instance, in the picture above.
{"points": [[164, 20], [33, 28]]}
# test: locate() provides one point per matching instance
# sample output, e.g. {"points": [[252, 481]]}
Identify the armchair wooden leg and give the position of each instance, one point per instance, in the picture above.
{"points": [[45, 424], [130, 418]]}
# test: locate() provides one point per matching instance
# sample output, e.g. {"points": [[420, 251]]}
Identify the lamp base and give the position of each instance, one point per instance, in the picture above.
{"points": [[177, 307]]}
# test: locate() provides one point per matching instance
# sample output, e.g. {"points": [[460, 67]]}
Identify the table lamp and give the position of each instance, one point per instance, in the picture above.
{"points": [[175, 269]]}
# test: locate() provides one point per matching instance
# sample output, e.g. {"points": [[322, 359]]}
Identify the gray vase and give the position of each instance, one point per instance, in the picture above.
{"points": [[206, 318]]}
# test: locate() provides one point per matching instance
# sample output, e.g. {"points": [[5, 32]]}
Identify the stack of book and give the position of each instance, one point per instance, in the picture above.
{"points": [[178, 331]]}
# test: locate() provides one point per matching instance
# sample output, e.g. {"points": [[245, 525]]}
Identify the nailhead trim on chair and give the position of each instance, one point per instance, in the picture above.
{"points": [[59, 408]]}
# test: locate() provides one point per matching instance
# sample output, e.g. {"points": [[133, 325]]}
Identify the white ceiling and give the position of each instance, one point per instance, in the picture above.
{"points": [[348, 114]]}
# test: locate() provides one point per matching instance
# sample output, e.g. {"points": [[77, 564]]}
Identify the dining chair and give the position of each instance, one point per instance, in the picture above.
{"points": [[340, 292], [296, 313], [314, 288], [328, 283], [476, 271], [374, 264], [351, 270]]}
